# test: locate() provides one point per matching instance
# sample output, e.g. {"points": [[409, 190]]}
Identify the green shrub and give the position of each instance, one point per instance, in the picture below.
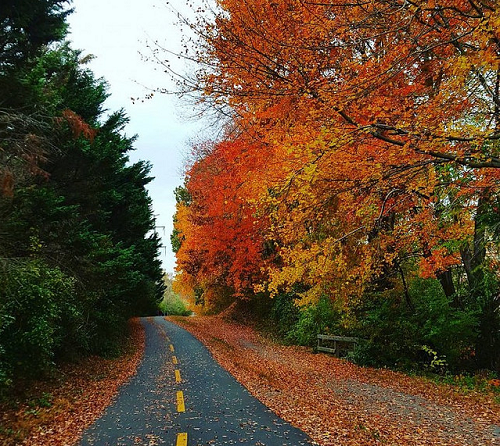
{"points": [[488, 340], [433, 335], [450, 331], [389, 332], [34, 299], [284, 314], [313, 319]]}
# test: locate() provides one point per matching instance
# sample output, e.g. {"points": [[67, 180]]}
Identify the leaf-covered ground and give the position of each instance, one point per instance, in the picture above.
{"points": [[56, 412], [338, 403]]}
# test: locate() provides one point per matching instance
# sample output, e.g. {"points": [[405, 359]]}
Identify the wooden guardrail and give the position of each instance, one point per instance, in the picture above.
{"points": [[337, 345]]}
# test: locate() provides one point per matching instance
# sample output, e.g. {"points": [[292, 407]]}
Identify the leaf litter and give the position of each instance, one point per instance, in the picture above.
{"points": [[339, 403], [72, 401], [333, 401]]}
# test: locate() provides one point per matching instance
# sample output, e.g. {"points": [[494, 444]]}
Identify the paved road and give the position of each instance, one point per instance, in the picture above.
{"points": [[182, 397]]}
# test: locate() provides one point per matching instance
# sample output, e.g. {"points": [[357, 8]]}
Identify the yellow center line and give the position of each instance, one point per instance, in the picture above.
{"points": [[171, 348], [174, 360], [182, 439], [180, 402], [177, 376]]}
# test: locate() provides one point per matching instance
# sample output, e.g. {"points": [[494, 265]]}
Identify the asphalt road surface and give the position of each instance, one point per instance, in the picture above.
{"points": [[181, 397]]}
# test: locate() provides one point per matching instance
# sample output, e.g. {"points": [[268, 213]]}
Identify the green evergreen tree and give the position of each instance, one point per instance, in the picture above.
{"points": [[79, 251]]}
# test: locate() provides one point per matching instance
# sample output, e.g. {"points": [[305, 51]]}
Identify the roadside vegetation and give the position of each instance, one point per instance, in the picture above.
{"points": [[56, 409], [77, 233], [355, 187]]}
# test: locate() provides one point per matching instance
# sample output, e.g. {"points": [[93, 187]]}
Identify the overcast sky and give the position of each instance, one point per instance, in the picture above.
{"points": [[116, 32]]}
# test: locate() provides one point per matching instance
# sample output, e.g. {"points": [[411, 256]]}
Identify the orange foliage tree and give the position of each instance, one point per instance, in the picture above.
{"points": [[378, 123], [220, 232]]}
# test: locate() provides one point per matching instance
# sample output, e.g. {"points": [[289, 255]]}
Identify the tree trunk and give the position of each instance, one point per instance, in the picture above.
{"points": [[483, 293], [446, 280]]}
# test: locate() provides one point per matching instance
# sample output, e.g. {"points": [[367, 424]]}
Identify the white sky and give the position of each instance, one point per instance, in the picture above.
{"points": [[116, 31]]}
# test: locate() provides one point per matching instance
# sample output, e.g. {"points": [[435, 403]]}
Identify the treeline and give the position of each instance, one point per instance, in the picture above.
{"points": [[356, 188], [78, 250]]}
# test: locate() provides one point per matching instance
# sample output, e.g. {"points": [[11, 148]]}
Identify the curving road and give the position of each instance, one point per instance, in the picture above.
{"points": [[181, 397]]}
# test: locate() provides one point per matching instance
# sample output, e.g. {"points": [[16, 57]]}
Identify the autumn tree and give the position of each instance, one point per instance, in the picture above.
{"points": [[218, 233], [377, 123]]}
